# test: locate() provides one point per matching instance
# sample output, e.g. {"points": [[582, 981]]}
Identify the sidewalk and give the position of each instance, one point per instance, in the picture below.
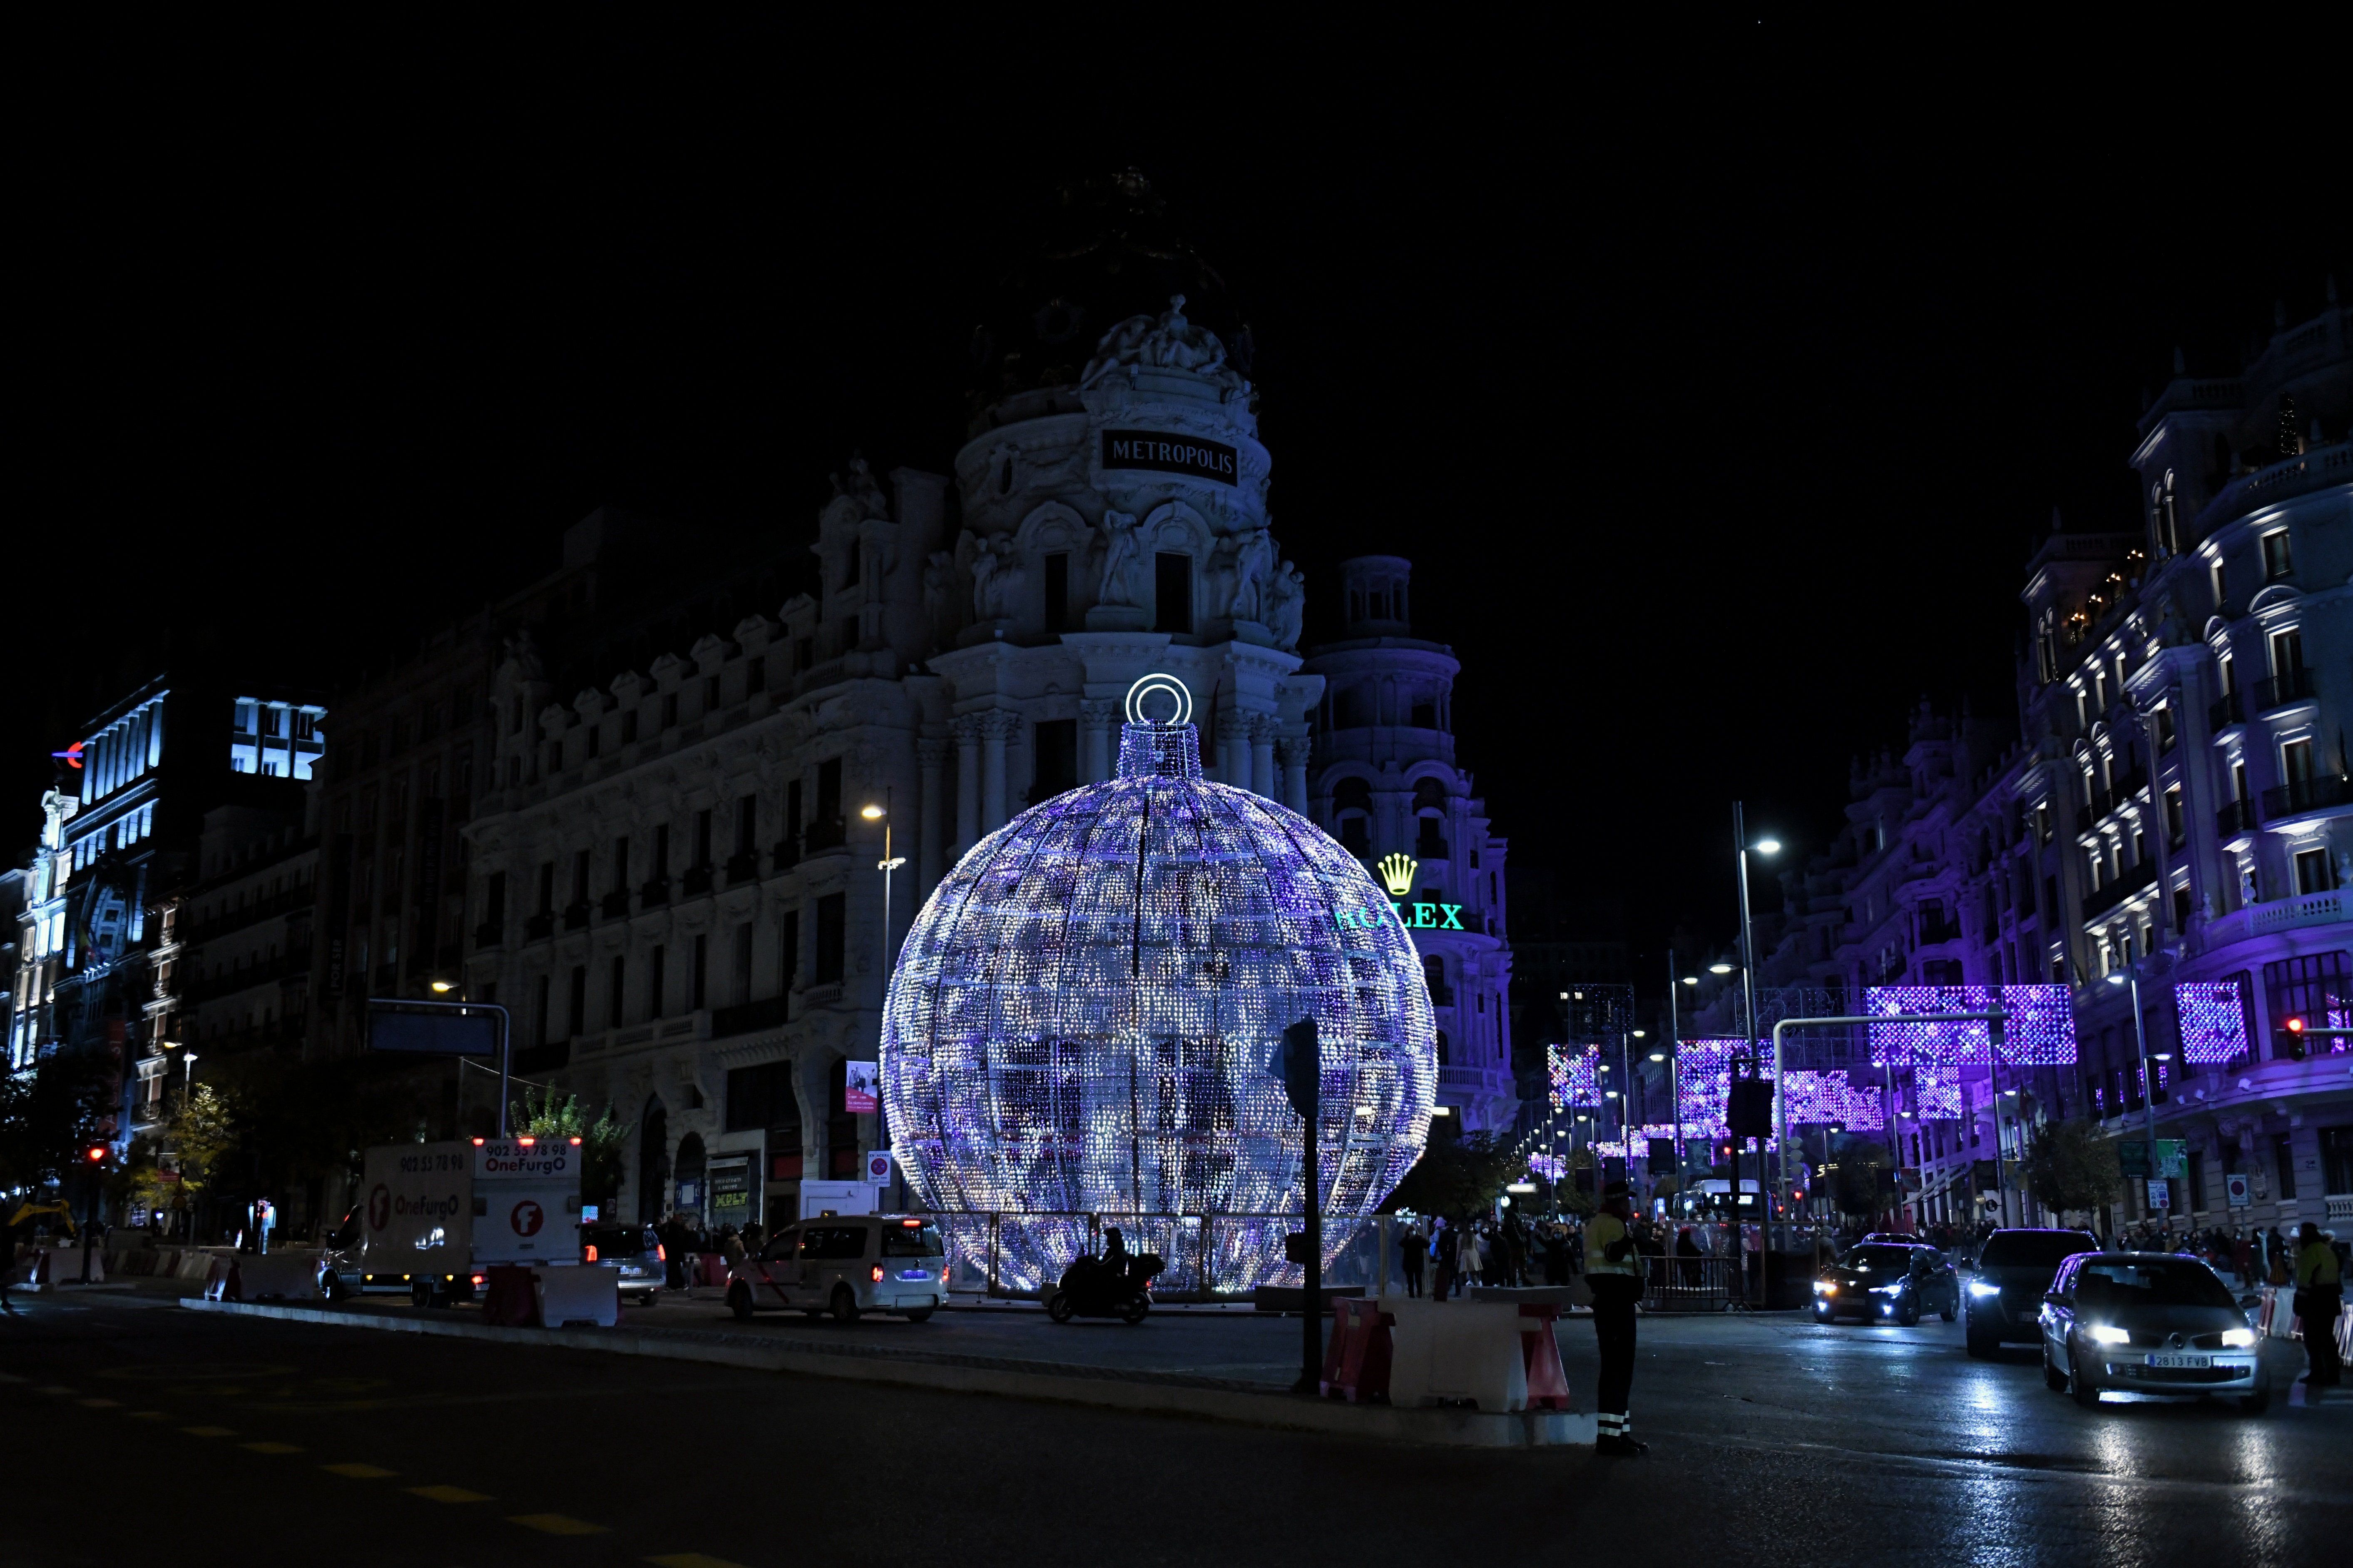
{"points": [[1219, 1364]]}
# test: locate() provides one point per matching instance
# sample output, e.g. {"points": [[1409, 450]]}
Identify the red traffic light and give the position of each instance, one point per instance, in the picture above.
{"points": [[95, 1153], [2296, 1025]]}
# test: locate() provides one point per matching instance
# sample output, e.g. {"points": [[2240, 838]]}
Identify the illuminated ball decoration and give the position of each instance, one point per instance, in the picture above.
{"points": [[1083, 1015]]}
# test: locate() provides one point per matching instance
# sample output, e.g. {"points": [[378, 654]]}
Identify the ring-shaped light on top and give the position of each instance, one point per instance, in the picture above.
{"points": [[1158, 682]]}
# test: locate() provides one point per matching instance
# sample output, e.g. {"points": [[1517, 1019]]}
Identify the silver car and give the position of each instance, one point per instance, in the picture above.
{"points": [[2148, 1322], [645, 1267]]}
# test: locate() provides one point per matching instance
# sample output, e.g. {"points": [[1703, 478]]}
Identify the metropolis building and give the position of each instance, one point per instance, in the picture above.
{"points": [[2177, 822], [689, 877]]}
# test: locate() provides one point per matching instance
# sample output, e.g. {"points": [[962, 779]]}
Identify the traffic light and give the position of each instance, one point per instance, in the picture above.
{"points": [[2295, 1037], [95, 1154]]}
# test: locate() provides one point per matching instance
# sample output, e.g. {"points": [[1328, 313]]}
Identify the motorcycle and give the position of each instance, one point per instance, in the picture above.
{"points": [[1116, 1287]]}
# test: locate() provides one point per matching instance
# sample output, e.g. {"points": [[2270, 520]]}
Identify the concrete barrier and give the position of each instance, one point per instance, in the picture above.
{"points": [[582, 1293], [1457, 1351], [280, 1276]]}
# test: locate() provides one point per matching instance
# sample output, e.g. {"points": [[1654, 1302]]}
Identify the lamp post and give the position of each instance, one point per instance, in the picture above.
{"points": [[2129, 976], [1748, 993], [888, 864]]}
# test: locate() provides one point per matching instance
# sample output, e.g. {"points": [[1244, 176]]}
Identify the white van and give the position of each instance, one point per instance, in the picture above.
{"points": [[846, 1265]]}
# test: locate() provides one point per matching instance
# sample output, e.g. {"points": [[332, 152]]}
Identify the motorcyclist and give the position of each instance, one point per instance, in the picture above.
{"points": [[1115, 1256]]}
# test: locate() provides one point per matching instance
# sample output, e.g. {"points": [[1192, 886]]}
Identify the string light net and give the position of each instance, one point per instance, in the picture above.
{"points": [[1083, 1016], [2039, 1032], [2214, 1021]]}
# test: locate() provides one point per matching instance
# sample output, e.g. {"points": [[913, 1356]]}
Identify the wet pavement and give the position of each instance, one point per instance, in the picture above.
{"points": [[203, 1438]]}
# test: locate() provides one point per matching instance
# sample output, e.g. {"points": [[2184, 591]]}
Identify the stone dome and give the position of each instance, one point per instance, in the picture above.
{"points": [[1083, 1014]]}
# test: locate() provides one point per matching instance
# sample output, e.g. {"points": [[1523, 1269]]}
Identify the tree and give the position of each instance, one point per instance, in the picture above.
{"points": [[49, 1116], [604, 1142], [2070, 1166], [198, 1132], [1458, 1177], [1855, 1187]]}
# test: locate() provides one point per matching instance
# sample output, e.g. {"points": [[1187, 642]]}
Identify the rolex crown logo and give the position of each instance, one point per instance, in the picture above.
{"points": [[1397, 874]]}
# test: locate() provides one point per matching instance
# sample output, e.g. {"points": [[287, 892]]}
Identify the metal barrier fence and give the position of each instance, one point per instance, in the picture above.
{"points": [[1195, 1249]]}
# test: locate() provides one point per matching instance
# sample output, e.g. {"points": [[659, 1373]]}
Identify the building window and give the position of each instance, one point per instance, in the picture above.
{"points": [[698, 978], [1058, 592], [579, 1009], [619, 995], [1172, 594], [2284, 1166], [2165, 732], [2316, 988], [2216, 570], [831, 930], [2173, 815], [654, 986], [545, 1010], [2278, 560], [2313, 872]]}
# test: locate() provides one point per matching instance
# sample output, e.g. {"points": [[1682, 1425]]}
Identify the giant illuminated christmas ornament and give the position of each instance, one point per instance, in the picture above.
{"points": [[1082, 1017]]}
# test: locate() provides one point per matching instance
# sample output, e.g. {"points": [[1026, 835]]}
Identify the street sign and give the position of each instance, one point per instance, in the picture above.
{"points": [[2160, 1195], [878, 1165], [2172, 1158], [2234, 1190], [435, 1028]]}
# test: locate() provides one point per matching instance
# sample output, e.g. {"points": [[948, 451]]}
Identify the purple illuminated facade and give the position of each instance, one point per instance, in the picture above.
{"points": [[1083, 1016]]}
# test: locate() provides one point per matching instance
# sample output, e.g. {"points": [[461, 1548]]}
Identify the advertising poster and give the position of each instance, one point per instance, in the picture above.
{"points": [[861, 1082]]}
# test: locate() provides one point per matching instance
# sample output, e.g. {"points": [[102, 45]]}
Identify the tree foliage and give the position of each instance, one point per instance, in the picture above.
{"points": [[1457, 1177], [2070, 1166], [48, 1116], [604, 1142], [198, 1132]]}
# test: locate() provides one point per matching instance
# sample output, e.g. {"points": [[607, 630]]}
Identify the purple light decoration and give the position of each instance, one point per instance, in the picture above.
{"points": [[2039, 1031], [1082, 1017], [1574, 1072], [1817, 1098], [1551, 1167], [2214, 1021]]}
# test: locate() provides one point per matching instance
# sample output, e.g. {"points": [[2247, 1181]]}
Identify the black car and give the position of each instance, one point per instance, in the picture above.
{"points": [[2015, 1267], [1884, 1282]]}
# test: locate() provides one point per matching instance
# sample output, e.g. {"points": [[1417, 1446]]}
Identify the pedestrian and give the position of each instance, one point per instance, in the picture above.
{"points": [[2320, 1298], [2243, 1261], [1612, 1272], [1471, 1261], [1449, 1258], [1416, 1249], [1687, 1256]]}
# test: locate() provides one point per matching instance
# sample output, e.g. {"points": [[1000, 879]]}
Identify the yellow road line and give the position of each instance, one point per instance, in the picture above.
{"points": [[150, 1416], [558, 1524], [101, 1404], [209, 1431], [52, 1388], [361, 1472], [271, 1447], [692, 1560], [437, 1493]]}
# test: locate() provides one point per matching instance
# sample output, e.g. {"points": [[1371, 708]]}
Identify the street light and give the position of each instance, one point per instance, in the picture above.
{"points": [[888, 864], [440, 985], [2130, 977], [1715, 969], [1748, 993]]}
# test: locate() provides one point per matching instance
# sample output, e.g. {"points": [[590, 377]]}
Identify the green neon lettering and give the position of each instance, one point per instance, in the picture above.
{"points": [[1453, 913]]}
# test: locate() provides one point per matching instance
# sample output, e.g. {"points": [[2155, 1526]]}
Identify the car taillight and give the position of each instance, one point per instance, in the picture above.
{"points": [[591, 1250], [877, 1272], [661, 1253]]}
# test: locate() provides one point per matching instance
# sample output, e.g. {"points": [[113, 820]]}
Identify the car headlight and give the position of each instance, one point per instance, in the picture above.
{"points": [[1824, 1288], [1887, 1289], [2241, 1337], [2109, 1334], [1980, 1289]]}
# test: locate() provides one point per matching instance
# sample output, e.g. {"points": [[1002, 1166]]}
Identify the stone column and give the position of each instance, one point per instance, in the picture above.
{"points": [[1097, 719], [1233, 749], [995, 727], [931, 756], [967, 740], [1293, 753], [1261, 736]]}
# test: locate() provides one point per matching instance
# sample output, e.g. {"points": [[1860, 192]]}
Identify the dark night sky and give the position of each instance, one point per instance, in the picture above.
{"points": [[1718, 399]]}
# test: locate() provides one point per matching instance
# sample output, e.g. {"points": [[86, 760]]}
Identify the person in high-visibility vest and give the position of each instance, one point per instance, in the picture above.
{"points": [[1613, 1271], [2320, 1298]]}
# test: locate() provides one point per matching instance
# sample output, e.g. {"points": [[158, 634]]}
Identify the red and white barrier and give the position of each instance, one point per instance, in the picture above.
{"points": [[1457, 1350], [579, 1293]]}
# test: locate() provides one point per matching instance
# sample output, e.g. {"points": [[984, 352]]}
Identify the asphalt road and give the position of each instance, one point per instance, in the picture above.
{"points": [[137, 1430]]}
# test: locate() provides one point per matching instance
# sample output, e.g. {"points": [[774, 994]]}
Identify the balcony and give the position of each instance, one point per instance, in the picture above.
{"points": [[2320, 792], [2226, 710], [742, 867], [2236, 819], [2293, 686], [2304, 910], [825, 833], [655, 892], [2119, 792], [575, 915], [539, 927], [2129, 882], [696, 880], [788, 853], [744, 1017]]}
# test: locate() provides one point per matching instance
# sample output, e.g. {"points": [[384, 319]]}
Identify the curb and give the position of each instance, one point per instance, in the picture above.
{"points": [[1105, 1388]]}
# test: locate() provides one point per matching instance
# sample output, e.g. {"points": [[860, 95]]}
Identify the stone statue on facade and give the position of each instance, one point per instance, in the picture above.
{"points": [[939, 592], [1253, 560], [861, 489], [1287, 606], [1122, 562], [524, 654], [997, 579]]}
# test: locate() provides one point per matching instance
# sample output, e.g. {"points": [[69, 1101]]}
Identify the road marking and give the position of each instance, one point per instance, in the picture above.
{"points": [[361, 1472], [150, 1416], [692, 1560], [53, 1388], [101, 1404], [271, 1447], [437, 1493], [558, 1524], [209, 1431], [10, 1377]]}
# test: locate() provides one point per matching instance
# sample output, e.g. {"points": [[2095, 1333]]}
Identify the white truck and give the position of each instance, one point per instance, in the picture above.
{"points": [[432, 1216]]}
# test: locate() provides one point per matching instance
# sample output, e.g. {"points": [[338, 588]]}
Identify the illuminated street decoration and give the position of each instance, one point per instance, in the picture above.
{"points": [[1573, 1072], [2214, 1021], [1815, 1099], [1397, 874], [1082, 1015], [2039, 1032]]}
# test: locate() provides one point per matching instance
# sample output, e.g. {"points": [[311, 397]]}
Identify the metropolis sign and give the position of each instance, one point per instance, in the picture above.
{"points": [[1162, 453]]}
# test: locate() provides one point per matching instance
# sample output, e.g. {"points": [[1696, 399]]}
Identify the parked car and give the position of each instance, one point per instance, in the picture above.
{"points": [[846, 1265], [645, 1263], [1880, 1282], [2148, 1322], [2015, 1267]]}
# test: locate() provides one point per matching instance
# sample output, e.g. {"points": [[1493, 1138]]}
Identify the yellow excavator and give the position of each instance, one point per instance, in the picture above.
{"points": [[31, 1210]]}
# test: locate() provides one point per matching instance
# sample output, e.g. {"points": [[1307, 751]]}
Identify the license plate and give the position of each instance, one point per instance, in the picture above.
{"points": [[2181, 1361]]}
